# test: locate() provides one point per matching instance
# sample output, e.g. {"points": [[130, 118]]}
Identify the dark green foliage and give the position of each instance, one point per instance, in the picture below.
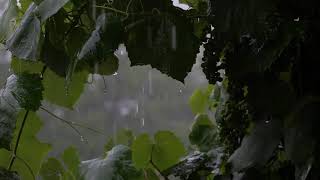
{"points": [[28, 92], [8, 175]]}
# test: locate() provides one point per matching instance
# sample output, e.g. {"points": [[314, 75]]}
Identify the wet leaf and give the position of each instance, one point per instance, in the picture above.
{"points": [[71, 159], [167, 150], [52, 169], [141, 151]]}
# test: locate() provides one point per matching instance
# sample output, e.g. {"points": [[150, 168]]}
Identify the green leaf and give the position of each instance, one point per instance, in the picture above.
{"points": [[8, 112], [56, 91], [7, 19], [25, 41], [203, 133], [141, 151], [257, 147], [71, 159], [167, 151], [199, 100], [30, 152], [8, 175], [52, 169], [116, 165]]}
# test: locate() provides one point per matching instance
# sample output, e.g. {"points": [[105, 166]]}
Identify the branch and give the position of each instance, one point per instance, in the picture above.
{"points": [[14, 156]]}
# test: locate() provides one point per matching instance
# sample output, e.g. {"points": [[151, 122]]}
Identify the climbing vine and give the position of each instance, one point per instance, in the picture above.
{"points": [[260, 57]]}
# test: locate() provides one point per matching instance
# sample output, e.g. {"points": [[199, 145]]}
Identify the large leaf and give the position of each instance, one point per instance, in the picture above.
{"points": [[165, 41], [19, 66], [8, 112], [25, 41], [56, 91], [203, 133], [167, 151], [8, 175], [30, 152], [257, 147], [141, 151], [116, 165]]}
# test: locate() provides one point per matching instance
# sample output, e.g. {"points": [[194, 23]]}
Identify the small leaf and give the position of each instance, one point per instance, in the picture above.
{"points": [[199, 100], [141, 151], [167, 151], [52, 169]]}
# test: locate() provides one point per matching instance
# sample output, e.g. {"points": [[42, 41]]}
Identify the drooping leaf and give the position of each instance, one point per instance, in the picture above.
{"points": [[52, 169], [165, 41], [56, 91], [167, 150], [7, 19], [9, 108], [116, 165], [203, 133], [47, 8], [71, 159], [141, 151], [8, 175], [257, 147], [25, 40], [30, 151]]}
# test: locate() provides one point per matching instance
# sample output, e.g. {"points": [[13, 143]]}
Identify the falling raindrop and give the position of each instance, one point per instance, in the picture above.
{"points": [[142, 122], [180, 90], [150, 90]]}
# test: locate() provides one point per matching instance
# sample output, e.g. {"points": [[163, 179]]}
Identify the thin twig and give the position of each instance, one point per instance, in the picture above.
{"points": [[113, 9], [14, 156], [71, 123]]}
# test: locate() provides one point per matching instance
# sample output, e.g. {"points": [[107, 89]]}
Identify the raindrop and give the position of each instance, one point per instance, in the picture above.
{"points": [[150, 89], [116, 73], [297, 19], [180, 90], [142, 122], [9, 70], [82, 139], [267, 122]]}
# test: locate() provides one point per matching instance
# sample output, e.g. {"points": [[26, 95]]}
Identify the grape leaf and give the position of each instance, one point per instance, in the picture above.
{"points": [[141, 151], [166, 41], [167, 150], [56, 91], [31, 151]]}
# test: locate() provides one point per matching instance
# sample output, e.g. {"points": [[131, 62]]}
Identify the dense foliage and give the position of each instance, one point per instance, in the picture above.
{"points": [[260, 57]]}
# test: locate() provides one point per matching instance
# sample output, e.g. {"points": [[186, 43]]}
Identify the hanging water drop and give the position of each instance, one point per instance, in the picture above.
{"points": [[116, 73]]}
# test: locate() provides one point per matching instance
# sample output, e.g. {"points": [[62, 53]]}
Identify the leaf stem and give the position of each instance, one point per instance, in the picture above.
{"points": [[113, 9], [14, 156]]}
